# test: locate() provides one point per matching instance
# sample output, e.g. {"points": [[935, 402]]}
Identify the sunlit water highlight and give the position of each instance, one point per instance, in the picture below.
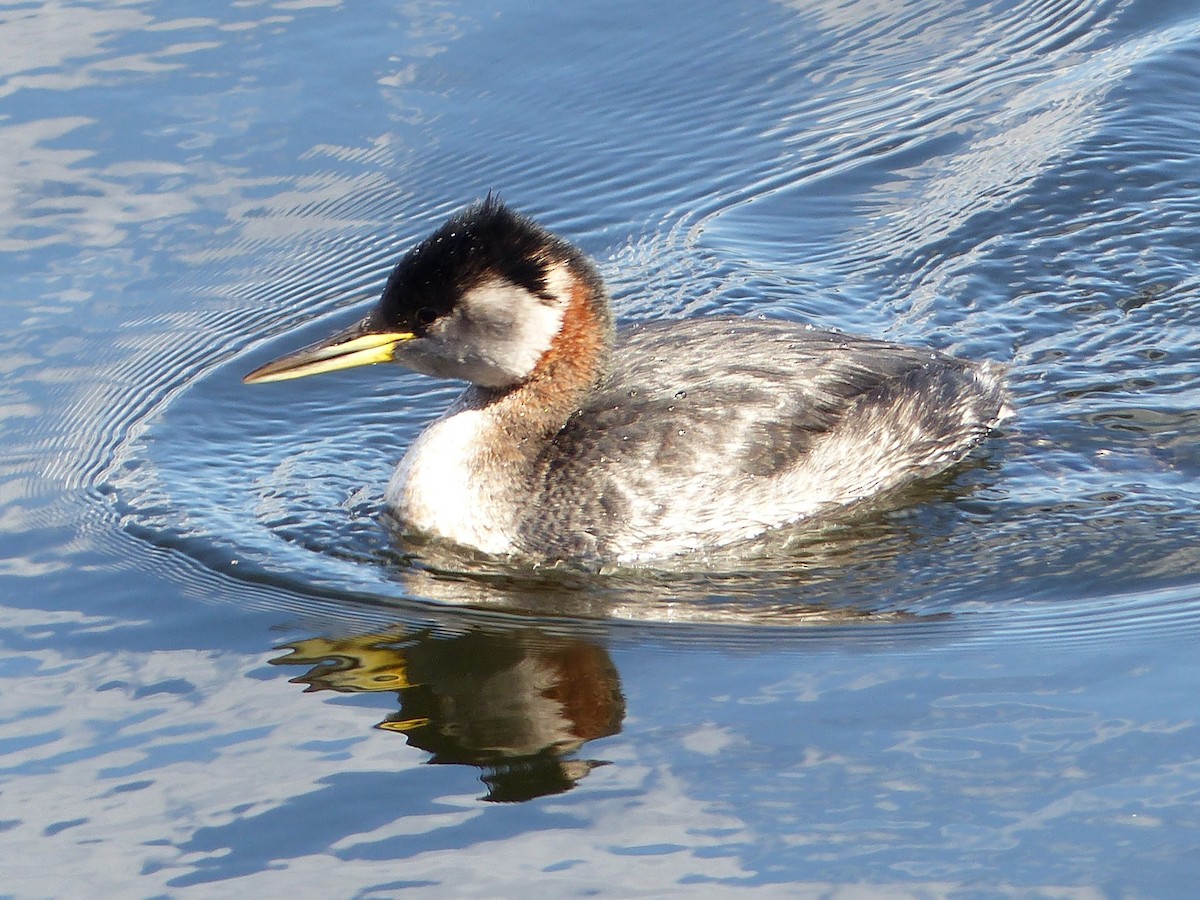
{"points": [[988, 684]]}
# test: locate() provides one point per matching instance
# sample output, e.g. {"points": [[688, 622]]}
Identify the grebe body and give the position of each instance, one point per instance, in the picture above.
{"points": [[573, 442]]}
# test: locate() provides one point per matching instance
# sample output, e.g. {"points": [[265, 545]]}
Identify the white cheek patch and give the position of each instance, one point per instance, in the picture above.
{"points": [[510, 327], [559, 282]]}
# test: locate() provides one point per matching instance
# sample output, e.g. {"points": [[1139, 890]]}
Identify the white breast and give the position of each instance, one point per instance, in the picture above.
{"points": [[442, 485]]}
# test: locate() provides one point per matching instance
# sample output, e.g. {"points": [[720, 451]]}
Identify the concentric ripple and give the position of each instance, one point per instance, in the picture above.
{"points": [[1013, 193]]}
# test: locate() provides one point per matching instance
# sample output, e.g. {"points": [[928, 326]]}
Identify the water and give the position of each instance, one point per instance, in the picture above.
{"points": [[220, 676]]}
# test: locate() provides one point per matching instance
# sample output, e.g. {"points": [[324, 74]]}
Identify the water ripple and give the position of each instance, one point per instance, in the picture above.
{"points": [[1000, 182]]}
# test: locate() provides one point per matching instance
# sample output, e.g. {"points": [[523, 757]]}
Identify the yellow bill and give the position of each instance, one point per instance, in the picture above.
{"points": [[404, 724], [342, 351]]}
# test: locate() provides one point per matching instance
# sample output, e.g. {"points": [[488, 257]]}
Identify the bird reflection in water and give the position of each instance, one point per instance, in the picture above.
{"points": [[514, 704]]}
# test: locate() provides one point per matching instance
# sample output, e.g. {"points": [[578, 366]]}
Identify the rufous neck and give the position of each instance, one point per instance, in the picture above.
{"points": [[576, 361]]}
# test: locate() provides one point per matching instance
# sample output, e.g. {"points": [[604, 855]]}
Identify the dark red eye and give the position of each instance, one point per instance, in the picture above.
{"points": [[426, 315]]}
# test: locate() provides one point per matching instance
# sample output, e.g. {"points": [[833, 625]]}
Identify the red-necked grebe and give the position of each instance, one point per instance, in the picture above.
{"points": [[576, 442]]}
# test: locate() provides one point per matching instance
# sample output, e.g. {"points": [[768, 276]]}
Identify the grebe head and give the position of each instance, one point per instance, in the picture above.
{"points": [[482, 299]]}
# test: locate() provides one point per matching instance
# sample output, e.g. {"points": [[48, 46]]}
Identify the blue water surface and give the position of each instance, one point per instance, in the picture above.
{"points": [[220, 675]]}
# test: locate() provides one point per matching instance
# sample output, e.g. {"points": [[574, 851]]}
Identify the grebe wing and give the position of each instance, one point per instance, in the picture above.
{"points": [[701, 417]]}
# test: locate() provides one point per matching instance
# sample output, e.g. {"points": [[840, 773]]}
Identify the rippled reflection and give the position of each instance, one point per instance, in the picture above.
{"points": [[994, 684], [518, 705]]}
